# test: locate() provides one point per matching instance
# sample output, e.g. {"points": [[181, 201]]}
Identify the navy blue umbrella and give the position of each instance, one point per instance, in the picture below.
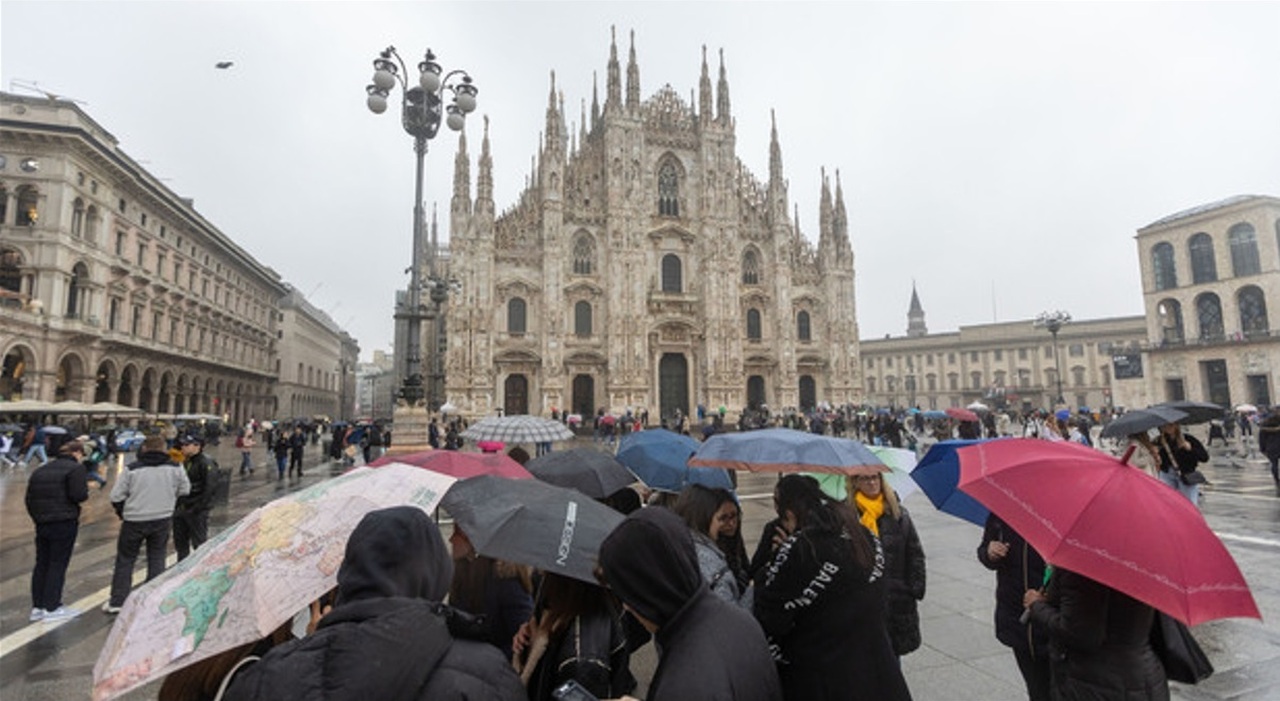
{"points": [[938, 473], [658, 457], [787, 450]]}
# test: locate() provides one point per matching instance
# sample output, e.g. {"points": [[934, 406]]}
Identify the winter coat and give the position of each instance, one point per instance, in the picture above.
{"points": [[1100, 642], [1269, 436], [823, 613], [203, 480], [709, 650], [716, 571], [593, 650], [386, 638], [55, 490], [905, 570], [150, 488], [502, 603], [1020, 570], [1172, 456]]}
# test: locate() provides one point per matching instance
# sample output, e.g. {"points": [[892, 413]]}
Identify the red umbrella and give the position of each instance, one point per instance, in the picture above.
{"points": [[460, 465], [1092, 514], [962, 414]]}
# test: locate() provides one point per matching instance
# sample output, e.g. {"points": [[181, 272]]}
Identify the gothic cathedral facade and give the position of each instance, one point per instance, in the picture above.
{"points": [[645, 268]]}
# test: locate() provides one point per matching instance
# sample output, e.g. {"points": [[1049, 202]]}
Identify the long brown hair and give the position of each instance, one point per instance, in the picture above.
{"points": [[200, 681], [802, 496]]}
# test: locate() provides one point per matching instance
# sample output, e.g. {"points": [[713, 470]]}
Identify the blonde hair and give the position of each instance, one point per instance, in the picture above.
{"points": [[890, 496]]}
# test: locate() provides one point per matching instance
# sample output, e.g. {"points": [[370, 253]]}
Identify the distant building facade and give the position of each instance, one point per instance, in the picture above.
{"points": [[314, 357], [645, 267], [377, 386]]}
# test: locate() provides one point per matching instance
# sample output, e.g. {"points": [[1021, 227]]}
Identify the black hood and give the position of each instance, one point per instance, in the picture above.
{"points": [[395, 552], [651, 565]]}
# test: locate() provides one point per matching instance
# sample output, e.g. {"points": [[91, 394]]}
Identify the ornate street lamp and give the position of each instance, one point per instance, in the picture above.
{"points": [[422, 109], [1054, 321]]}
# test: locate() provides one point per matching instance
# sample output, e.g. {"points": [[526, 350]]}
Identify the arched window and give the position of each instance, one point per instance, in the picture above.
{"points": [[668, 190], [28, 199], [1253, 311], [1244, 250], [1204, 268], [671, 274], [75, 290], [77, 218], [1162, 266], [1209, 314], [802, 326], [1171, 329], [515, 315], [582, 319], [584, 254], [753, 324], [11, 270], [750, 267]]}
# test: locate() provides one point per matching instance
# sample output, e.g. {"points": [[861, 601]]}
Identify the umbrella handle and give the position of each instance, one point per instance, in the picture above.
{"points": [[1128, 453]]}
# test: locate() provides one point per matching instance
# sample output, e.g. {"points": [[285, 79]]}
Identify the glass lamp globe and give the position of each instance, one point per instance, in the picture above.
{"points": [[383, 79], [429, 80], [465, 100], [377, 103], [455, 120]]}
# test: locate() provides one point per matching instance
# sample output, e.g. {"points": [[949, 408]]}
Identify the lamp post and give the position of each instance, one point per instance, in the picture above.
{"points": [[1054, 321], [422, 109]]}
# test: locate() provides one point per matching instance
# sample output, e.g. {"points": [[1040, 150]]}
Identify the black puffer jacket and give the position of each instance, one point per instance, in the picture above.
{"points": [[55, 490], [385, 639], [203, 484], [904, 566], [1020, 570], [1099, 642]]}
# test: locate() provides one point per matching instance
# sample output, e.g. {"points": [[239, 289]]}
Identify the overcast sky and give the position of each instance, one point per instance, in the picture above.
{"points": [[1001, 156]]}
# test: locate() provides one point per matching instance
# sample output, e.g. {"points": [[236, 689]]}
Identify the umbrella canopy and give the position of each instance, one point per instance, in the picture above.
{"points": [[935, 414], [10, 428], [26, 406], [658, 457], [1247, 409], [458, 465], [533, 523], [1142, 420], [978, 406], [1092, 514], [713, 477], [786, 450], [961, 414], [252, 577], [55, 430], [938, 473], [592, 472], [900, 462], [1197, 412], [517, 429]]}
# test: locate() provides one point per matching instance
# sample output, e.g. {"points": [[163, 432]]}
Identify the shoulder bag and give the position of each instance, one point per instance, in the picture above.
{"points": [[1183, 659]]}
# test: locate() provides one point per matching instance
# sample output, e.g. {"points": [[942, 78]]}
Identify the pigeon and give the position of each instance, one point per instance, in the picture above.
{"points": [[223, 64]]}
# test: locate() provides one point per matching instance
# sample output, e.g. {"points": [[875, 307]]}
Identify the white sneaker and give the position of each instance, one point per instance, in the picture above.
{"points": [[38, 614], [61, 613], [108, 608]]}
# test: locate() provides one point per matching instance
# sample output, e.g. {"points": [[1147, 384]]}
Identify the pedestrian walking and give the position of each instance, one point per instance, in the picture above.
{"points": [[904, 562], [281, 450], [191, 513], [245, 443], [1180, 455], [36, 444], [297, 444], [144, 496], [1018, 567], [1269, 443], [54, 494]]}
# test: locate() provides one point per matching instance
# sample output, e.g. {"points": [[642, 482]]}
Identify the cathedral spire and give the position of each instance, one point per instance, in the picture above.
{"points": [[704, 91], [633, 77], [613, 90], [595, 100], [722, 94], [915, 316], [555, 120], [840, 219], [775, 151], [582, 127], [461, 178], [484, 180], [825, 213]]}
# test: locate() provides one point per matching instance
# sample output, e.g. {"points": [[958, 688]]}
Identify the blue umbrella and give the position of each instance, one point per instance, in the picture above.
{"points": [[712, 477], [786, 450], [658, 457], [935, 414], [938, 473]]}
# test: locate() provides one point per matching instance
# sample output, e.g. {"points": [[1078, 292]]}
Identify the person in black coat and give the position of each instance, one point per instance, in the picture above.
{"points": [[1269, 443], [822, 599], [1180, 455], [191, 512], [54, 493], [904, 563], [1100, 646], [1018, 567], [387, 637], [709, 649]]}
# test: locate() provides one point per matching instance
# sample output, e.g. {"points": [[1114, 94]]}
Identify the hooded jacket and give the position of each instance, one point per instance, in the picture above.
{"points": [[387, 637], [710, 649]]}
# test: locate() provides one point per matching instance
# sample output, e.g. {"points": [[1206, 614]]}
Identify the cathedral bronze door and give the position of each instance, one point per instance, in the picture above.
{"points": [[808, 393], [755, 392], [515, 396], [584, 396], [673, 384]]}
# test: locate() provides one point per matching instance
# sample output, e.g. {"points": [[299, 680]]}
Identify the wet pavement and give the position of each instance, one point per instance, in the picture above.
{"points": [[960, 658]]}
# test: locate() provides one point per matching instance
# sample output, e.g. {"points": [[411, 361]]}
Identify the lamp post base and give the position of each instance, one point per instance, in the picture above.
{"points": [[409, 429]]}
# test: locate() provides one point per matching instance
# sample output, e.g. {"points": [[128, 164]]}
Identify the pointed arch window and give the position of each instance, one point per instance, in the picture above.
{"points": [[1253, 311], [1244, 250], [803, 331], [750, 267], [668, 190], [584, 254], [1204, 268], [753, 324], [516, 309], [672, 274], [1209, 314], [1162, 266], [582, 319]]}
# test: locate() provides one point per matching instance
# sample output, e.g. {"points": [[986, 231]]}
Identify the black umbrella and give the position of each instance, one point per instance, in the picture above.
{"points": [[1197, 412], [532, 523], [594, 473], [1140, 420]]}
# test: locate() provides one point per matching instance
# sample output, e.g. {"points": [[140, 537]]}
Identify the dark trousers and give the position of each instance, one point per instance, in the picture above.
{"points": [[133, 534], [1035, 672], [54, 542], [295, 461], [190, 530]]}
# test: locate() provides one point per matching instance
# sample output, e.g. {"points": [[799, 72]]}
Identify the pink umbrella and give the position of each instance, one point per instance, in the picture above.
{"points": [[459, 465], [1093, 514], [962, 414]]}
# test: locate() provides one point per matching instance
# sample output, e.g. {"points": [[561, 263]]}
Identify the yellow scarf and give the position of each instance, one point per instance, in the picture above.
{"points": [[872, 510]]}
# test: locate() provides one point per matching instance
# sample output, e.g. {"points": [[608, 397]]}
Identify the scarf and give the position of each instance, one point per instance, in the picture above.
{"points": [[872, 510]]}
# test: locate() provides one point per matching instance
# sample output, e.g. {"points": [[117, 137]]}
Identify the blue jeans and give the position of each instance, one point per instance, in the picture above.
{"points": [[1190, 491], [155, 534], [37, 448], [54, 542]]}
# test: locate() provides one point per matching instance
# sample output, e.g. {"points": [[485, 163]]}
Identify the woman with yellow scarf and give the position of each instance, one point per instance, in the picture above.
{"points": [[880, 512]]}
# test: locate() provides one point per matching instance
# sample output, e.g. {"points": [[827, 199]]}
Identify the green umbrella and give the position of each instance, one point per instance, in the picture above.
{"points": [[900, 462]]}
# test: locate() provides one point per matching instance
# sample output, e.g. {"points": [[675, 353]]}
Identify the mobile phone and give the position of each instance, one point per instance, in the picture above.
{"points": [[572, 691]]}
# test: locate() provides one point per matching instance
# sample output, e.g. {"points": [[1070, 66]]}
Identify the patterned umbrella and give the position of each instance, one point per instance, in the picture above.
{"points": [[518, 429]]}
